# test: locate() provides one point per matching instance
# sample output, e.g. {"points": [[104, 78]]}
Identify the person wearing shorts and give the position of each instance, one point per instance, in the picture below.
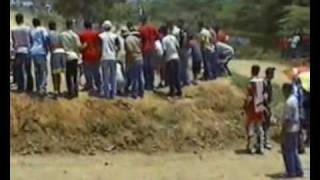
{"points": [[58, 57]]}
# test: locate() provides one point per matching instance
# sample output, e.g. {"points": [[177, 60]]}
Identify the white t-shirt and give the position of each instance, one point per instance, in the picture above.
{"points": [[170, 47], [291, 113], [295, 41], [109, 49]]}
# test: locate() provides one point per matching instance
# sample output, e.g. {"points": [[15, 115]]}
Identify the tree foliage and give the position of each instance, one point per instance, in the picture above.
{"points": [[296, 18]]}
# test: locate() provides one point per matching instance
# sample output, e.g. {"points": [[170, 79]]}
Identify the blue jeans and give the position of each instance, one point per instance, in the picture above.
{"points": [[215, 69], [290, 153], [137, 79], [41, 72], [148, 69], [184, 56], [92, 76], [109, 72], [23, 73], [209, 66]]}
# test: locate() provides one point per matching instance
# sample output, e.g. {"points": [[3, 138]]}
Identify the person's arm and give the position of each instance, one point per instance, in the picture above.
{"points": [[13, 40], [117, 43]]}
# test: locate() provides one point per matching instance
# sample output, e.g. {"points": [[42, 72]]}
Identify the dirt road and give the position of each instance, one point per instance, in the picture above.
{"points": [[220, 165]]}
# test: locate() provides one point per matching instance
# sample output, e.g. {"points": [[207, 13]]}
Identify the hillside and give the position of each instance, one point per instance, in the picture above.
{"points": [[208, 117]]}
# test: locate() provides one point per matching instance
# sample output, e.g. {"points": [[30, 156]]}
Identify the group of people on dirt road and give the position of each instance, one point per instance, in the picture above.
{"points": [[167, 50], [295, 132]]}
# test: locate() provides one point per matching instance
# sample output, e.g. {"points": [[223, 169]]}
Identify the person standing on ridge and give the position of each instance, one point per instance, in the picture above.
{"points": [[72, 45], [110, 47], [39, 50], [91, 55], [171, 54], [58, 57], [21, 42], [149, 34]]}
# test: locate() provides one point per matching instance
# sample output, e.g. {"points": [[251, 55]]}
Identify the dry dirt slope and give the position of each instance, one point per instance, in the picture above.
{"points": [[209, 116]]}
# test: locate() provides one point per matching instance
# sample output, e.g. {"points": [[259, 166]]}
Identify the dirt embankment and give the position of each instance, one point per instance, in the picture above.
{"points": [[208, 117]]}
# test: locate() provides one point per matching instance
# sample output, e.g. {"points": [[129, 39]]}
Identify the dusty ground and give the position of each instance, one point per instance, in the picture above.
{"points": [[218, 165]]}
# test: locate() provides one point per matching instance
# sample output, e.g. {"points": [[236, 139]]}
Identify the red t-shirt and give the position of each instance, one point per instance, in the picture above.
{"points": [[92, 53], [149, 34]]}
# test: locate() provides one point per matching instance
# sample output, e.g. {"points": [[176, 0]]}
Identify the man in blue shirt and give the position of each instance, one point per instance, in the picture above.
{"points": [[290, 133], [39, 49]]}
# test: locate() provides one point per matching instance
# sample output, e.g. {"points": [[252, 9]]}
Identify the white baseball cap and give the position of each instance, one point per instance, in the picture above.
{"points": [[107, 24]]}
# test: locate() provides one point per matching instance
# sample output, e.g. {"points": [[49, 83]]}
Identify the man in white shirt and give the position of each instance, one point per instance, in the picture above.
{"points": [[171, 55], [110, 47], [290, 133], [21, 42]]}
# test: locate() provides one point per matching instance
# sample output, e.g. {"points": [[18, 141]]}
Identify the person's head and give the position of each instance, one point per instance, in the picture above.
{"points": [[255, 70], [87, 24], [217, 28], [270, 73], [19, 18], [287, 89], [130, 26], [36, 22], [144, 20], [201, 24], [163, 30], [170, 24], [107, 25], [52, 25], [180, 23], [191, 36], [69, 24]]}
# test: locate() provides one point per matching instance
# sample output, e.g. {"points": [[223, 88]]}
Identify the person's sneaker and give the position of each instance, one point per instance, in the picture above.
{"points": [[251, 151], [268, 146]]}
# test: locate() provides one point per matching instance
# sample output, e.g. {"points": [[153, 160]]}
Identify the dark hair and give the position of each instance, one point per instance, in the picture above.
{"points": [[201, 24], [255, 70], [163, 30], [36, 22], [270, 70], [87, 24], [69, 24], [52, 25], [217, 28], [144, 19], [19, 18], [130, 26], [287, 87], [180, 21]]}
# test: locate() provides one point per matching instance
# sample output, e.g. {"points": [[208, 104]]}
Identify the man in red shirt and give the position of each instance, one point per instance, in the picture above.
{"points": [[91, 55], [149, 34]]}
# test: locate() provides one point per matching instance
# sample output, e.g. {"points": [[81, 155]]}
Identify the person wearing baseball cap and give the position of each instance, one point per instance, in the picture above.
{"points": [[110, 48]]}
